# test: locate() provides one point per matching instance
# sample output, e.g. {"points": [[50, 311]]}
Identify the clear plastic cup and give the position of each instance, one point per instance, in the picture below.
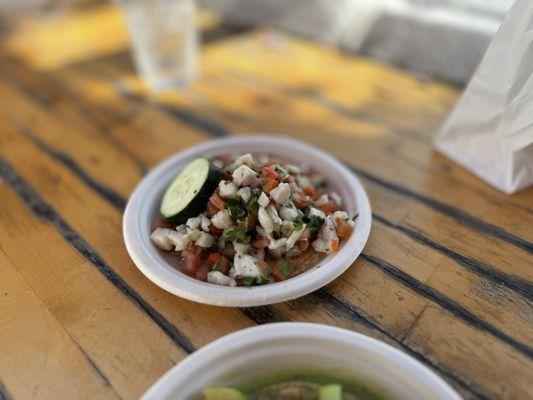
{"points": [[165, 41]]}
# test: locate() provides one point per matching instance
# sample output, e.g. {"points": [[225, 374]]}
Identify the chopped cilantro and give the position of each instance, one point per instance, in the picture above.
{"points": [[261, 281], [239, 236], [286, 268], [298, 223], [315, 223], [355, 216], [253, 205], [248, 281], [236, 209]]}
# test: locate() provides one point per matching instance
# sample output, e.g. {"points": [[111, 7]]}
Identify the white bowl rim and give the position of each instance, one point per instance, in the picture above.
{"points": [[142, 252], [287, 330]]}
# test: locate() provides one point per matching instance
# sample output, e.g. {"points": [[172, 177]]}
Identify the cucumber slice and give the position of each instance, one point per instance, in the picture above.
{"points": [[224, 394], [188, 193], [330, 392]]}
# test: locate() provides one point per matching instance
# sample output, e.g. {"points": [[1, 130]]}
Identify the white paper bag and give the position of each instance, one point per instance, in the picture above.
{"points": [[490, 131]]}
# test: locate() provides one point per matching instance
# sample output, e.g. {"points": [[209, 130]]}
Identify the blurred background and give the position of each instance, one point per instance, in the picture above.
{"points": [[437, 39]]}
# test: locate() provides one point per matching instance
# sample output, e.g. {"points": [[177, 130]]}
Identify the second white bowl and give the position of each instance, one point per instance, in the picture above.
{"points": [[281, 348]]}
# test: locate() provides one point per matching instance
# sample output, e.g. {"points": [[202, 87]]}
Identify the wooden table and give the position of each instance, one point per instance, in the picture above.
{"points": [[446, 275]]}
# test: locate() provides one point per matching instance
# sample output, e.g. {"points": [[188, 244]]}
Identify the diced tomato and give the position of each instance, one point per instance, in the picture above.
{"points": [[270, 172], [214, 230], [261, 243], [191, 249], [217, 201], [335, 245], [223, 265], [201, 273], [266, 269], [270, 184], [344, 229], [225, 159], [213, 257], [161, 223], [309, 191], [305, 234], [328, 208], [300, 200], [211, 209], [191, 263], [302, 244]]}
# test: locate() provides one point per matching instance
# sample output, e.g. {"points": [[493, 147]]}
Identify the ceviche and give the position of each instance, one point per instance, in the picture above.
{"points": [[249, 220]]}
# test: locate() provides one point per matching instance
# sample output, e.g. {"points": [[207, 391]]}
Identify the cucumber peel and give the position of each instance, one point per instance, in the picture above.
{"points": [[188, 193]]}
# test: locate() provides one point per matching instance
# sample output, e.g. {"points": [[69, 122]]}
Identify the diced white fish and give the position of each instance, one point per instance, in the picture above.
{"points": [[315, 212], [180, 240], [274, 214], [160, 237], [293, 169], [266, 220], [286, 228], [245, 193], [218, 278], [288, 213], [263, 200], [246, 266], [281, 193], [227, 189], [294, 237], [303, 181], [244, 176], [194, 234], [222, 219], [205, 240], [241, 248], [322, 200], [194, 222], [206, 223], [277, 247]]}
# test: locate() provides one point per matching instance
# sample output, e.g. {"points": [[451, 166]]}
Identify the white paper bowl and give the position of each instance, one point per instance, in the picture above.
{"points": [[160, 268], [261, 351]]}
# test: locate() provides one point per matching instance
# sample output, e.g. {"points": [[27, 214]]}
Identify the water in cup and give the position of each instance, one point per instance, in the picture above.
{"points": [[165, 41]]}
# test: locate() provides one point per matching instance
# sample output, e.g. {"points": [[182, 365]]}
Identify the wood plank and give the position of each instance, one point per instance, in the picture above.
{"points": [[40, 360], [443, 279], [496, 257], [116, 336], [505, 374]]}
